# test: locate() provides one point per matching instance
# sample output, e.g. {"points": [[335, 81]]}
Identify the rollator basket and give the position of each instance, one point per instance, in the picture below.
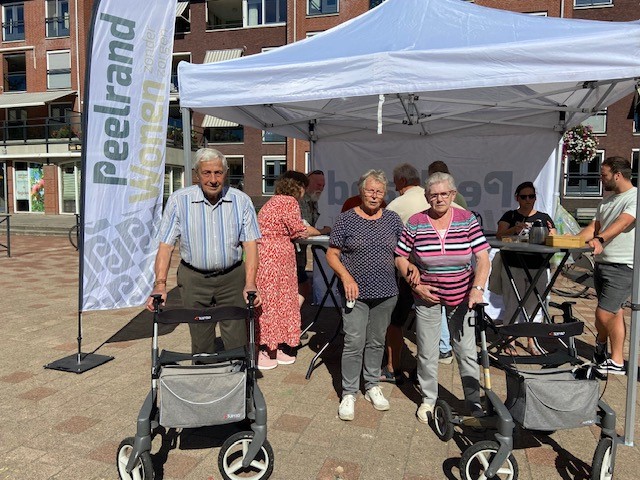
{"points": [[551, 401], [191, 396]]}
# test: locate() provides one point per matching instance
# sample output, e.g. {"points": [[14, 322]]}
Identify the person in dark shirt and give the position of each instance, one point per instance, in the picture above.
{"points": [[515, 222]]}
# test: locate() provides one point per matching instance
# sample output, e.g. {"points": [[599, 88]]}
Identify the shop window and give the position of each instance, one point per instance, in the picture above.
{"points": [[57, 19], [29, 188], [272, 168], [69, 175], [582, 179], [13, 22], [322, 7], [173, 180], [58, 70], [3, 187], [15, 72]]}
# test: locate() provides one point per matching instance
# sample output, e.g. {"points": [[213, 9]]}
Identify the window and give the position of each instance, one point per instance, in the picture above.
{"points": [[183, 17], [235, 175], [635, 115], [583, 179], [176, 59], [16, 124], [591, 3], [15, 72], [635, 164], [173, 180], [60, 120], [322, 7], [57, 20], [58, 69], [223, 14], [13, 22], [69, 187], [3, 187], [272, 168], [29, 188], [265, 12], [374, 3], [598, 121], [224, 134], [269, 137]]}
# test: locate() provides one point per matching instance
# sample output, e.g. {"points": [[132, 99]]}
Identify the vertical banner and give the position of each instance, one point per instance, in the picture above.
{"points": [[125, 125]]}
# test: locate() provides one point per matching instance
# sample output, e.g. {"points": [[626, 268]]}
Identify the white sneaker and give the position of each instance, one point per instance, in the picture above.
{"points": [[425, 412], [346, 408], [375, 396]]}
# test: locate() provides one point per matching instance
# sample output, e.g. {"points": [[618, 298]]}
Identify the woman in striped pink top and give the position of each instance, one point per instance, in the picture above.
{"points": [[440, 242]]}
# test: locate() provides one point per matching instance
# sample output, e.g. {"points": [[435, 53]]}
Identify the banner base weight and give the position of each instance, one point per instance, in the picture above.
{"points": [[71, 364]]}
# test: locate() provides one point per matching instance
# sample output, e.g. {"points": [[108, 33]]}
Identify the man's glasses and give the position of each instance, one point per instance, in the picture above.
{"points": [[374, 193], [527, 197], [443, 195]]}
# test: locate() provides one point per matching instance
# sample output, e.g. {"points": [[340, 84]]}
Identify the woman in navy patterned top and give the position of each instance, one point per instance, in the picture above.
{"points": [[362, 243]]}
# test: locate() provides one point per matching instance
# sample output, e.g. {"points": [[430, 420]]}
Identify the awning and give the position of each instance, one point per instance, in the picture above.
{"points": [[211, 121], [213, 56], [35, 99], [180, 9]]}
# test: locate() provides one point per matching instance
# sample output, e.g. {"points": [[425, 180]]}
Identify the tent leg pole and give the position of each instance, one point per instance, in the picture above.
{"points": [[186, 145]]}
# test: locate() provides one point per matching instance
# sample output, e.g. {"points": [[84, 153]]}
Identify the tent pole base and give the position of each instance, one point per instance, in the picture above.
{"points": [[86, 362]]}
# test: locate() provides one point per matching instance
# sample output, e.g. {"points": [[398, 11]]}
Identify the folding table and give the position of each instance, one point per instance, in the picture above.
{"points": [[546, 253], [321, 243]]}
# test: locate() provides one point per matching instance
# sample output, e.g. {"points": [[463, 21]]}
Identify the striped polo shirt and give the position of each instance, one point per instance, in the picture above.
{"points": [[444, 260], [210, 236]]}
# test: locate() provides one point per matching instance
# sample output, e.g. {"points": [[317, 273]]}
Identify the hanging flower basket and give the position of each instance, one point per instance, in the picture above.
{"points": [[580, 144]]}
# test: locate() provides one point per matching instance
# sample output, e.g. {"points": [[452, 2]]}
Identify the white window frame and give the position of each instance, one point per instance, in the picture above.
{"points": [[309, 14], [581, 193], [56, 14], [245, 16], [593, 4], [57, 52], [4, 10], [269, 158], [279, 142], [76, 185], [593, 122]]}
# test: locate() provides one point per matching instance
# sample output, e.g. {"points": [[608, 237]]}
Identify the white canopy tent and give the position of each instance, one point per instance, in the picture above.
{"points": [[490, 92]]}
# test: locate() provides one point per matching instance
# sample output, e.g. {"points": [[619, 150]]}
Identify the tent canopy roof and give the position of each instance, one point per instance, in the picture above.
{"points": [[442, 65]]}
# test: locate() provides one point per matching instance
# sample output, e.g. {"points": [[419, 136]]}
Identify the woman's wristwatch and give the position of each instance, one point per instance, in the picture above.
{"points": [[478, 287]]}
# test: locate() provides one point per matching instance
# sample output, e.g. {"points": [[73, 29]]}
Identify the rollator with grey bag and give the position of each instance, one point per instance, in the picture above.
{"points": [[202, 390]]}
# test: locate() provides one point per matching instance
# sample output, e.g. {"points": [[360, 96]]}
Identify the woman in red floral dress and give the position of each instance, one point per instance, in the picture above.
{"points": [[279, 315]]}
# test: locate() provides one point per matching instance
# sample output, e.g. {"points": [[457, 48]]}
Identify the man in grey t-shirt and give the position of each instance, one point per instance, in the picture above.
{"points": [[612, 236]]}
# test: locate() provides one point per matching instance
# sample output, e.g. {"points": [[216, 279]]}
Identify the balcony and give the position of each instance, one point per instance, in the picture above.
{"points": [[40, 131], [58, 26]]}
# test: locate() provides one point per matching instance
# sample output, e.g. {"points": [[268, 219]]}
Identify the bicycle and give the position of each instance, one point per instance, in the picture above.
{"points": [[576, 278], [74, 233]]}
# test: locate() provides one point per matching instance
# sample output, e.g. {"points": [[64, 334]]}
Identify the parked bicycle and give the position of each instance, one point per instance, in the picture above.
{"points": [[576, 278], [74, 233]]}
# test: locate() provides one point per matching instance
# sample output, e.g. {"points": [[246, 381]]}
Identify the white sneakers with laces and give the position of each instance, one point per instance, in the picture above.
{"points": [[375, 396], [425, 412], [347, 407]]}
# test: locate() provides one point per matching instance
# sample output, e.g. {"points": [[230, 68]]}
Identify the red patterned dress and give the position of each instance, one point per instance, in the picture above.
{"points": [[279, 315]]}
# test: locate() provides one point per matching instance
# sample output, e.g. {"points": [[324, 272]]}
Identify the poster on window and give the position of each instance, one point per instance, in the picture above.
{"points": [[36, 181], [124, 150], [21, 185]]}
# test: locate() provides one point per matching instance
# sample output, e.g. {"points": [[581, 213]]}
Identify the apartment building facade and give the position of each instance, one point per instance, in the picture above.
{"points": [[43, 51]]}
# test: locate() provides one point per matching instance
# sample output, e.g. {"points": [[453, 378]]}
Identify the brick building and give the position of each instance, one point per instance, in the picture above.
{"points": [[43, 51]]}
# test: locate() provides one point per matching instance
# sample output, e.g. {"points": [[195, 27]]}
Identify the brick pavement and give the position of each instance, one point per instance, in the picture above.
{"points": [[65, 426]]}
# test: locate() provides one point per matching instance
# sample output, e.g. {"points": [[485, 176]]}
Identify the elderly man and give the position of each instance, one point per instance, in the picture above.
{"points": [[611, 234], [310, 214], [215, 224]]}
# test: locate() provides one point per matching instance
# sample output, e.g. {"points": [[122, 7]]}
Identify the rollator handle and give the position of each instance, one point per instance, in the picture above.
{"points": [[251, 298], [157, 301]]}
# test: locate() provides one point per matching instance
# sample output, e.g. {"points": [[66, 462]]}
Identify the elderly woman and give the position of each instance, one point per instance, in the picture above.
{"points": [[514, 222], [440, 243], [360, 252], [278, 321]]}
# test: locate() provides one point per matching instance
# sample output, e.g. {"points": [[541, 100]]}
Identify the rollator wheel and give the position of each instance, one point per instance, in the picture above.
{"points": [[232, 453], [476, 459], [443, 420], [602, 459], [143, 469]]}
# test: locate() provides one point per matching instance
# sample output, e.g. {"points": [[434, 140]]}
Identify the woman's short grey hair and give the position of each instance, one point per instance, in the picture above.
{"points": [[208, 155], [439, 177], [377, 175]]}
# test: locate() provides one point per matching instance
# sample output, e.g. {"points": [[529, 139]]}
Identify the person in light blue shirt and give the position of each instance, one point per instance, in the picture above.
{"points": [[215, 224]]}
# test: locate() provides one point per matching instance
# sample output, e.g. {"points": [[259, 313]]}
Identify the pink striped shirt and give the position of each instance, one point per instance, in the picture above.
{"points": [[444, 261]]}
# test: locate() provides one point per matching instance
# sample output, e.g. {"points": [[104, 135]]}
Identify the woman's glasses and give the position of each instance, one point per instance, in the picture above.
{"points": [[374, 193], [443, 195], [527, 197]]}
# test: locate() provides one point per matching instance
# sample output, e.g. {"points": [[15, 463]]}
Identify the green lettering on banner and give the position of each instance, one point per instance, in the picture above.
{"points": [[123, 74], [126, 33], [113, 151], [115, 128], [104, 172]]}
